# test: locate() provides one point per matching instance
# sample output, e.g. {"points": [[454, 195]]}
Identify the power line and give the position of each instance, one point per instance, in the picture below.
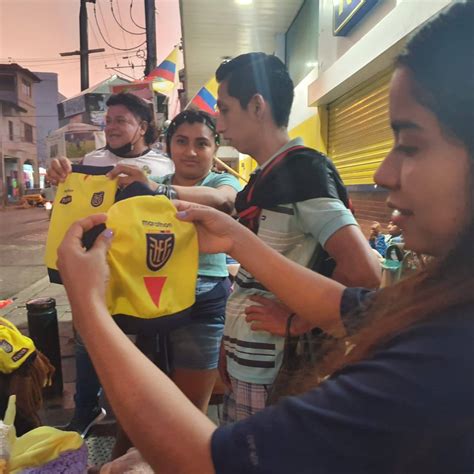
{"points": [[105, 26], [22, 116], [47, 60], [121, 29], [131, 17], [97, 42], [123, 73], [58, 62], [119, 23], [107, 43]]}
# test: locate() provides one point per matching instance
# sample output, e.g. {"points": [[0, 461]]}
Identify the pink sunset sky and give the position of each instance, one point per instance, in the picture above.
{"points": [[34, 32]]}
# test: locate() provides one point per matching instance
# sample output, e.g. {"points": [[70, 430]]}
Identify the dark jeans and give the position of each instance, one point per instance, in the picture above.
{"points": [[88, 386], [87, 383]]}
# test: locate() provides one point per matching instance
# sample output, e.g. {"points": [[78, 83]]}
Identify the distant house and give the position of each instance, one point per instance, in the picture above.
{"points": [[18, 153]]}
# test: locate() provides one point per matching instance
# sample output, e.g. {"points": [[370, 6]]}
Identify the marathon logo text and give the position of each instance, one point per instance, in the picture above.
{"points": [[164, 225]]}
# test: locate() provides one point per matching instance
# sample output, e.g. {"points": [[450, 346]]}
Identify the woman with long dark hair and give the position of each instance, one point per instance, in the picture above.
{"points": [[398, 398]]}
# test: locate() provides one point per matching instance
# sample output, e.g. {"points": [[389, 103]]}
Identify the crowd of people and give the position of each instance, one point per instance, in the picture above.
{"points": [[393, 393], [380, 241]]}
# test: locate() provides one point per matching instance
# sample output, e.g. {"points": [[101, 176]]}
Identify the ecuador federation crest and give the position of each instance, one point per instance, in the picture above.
{"points": [[65, 200], [159, 248], [97, 199]]}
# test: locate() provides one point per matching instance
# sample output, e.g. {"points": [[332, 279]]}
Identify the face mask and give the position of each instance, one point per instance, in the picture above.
{"points": [[122, 151]]}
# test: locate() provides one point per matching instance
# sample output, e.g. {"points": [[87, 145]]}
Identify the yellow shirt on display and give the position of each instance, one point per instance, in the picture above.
{"points": [[153, 259], [86, 191]]}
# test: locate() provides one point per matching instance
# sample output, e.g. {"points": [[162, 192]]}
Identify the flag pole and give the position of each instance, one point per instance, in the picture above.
{"points": [[230, 170]]}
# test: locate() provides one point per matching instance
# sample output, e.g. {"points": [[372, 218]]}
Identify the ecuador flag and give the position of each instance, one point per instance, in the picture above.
{"points": [[163, 77], [206, 98]]}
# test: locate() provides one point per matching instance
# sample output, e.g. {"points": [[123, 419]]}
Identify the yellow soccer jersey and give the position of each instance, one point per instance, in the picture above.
{"points": [[153, 259], [15, 348], [86, 191]]}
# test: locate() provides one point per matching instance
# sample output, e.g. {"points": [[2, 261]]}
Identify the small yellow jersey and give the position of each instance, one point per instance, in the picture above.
{"points": [[153, 259], [86, 191], [15, 348]]}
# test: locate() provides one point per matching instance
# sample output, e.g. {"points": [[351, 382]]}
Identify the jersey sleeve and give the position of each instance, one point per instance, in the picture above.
{"points": [[390, 413], [322, 217]]}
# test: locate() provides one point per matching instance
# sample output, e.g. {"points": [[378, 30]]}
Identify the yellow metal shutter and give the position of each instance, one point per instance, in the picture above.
{"points": [[359, 134]]}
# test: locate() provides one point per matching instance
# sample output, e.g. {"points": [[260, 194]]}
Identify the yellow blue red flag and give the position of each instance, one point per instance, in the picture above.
{"points": [[163, 77], [206, 98]]}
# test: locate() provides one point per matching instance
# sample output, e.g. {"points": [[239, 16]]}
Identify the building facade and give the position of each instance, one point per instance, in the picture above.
{"points": [[18, 154], [46, 100], [340, 56], [341, 106]]}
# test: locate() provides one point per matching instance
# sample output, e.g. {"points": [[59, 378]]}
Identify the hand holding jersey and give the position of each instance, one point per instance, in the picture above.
{"points": [[157, 278], [86, 190], [59, 170], [128, 174], [148, 282], [85, 273]]}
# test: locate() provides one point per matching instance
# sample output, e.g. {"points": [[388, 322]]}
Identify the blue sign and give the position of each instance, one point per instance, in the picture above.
{"points": [[347, 13]]}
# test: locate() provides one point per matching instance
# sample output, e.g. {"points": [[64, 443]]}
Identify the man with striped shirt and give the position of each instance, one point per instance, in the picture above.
{"points": [[295, 202]]}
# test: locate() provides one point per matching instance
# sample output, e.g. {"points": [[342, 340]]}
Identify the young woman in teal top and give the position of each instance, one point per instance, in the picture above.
{"points": [[192, 142]]}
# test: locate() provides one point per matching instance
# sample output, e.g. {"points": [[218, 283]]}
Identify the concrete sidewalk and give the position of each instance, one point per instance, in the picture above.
{"points": [[58, 411], [16, 312]]}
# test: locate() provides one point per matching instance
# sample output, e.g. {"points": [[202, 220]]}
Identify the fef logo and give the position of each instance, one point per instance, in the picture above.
{"points": [[97, 199], [6, 346], [65, 200], [159, 248]]}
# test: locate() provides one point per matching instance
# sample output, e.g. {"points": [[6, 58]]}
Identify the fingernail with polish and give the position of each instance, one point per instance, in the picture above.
{"points": [[108, 233], [181, 214]]}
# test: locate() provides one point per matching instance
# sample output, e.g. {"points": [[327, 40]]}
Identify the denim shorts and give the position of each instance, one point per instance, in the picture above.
{"points": [[196, 345]]}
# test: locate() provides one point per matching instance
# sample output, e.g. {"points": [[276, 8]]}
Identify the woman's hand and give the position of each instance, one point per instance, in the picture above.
{"points": [[84, 272], [130, 462], [217, 232], [128, 174], [271, 316], [59, 170]]}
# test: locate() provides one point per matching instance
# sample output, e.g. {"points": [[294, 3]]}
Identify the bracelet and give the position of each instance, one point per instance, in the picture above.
{"points": [[166, 190]]}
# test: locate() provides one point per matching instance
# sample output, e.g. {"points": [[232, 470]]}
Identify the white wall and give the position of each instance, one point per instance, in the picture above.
{"points": [[345, 62], [331, 47], [300, 110]]}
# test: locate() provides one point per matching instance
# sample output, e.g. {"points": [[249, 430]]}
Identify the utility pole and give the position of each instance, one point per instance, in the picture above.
{"points": [[3, 183], [150, 25], [84, 45]]}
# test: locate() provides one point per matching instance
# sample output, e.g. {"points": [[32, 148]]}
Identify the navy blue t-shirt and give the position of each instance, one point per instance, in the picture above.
{"points": [[409, 409]]}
